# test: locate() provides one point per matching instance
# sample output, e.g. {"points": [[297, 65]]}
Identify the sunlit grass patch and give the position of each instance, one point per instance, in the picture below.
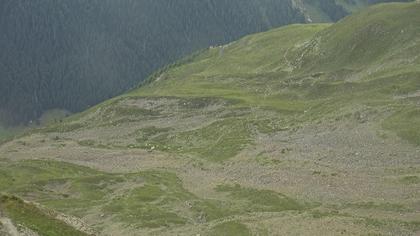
{"points": [[406, 123], [32, 217], [230, 228], [261, 200]]}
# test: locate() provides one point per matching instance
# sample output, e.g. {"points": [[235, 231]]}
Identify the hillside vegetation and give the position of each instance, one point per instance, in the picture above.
{"points": [[72, 55], [308, 129]]}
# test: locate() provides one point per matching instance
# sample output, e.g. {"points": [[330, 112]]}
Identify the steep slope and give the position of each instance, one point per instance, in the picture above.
{"points": [[383, 39], [31, 220], [287, 132], [72, 55]]}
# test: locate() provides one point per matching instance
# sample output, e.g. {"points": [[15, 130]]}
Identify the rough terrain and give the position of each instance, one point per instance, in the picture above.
{"points": [[264, 136]]}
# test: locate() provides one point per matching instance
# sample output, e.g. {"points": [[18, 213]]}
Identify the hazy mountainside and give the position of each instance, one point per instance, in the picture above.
{"points": [[59, 54], [303, 130]]}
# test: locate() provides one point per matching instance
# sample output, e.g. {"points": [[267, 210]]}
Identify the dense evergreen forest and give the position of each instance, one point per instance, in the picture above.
{"points": [[73, 54]]}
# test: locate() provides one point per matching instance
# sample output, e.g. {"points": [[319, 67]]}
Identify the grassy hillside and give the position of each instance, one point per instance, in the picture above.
{"points": [[302, 130], [367, 59], [29, 216]]}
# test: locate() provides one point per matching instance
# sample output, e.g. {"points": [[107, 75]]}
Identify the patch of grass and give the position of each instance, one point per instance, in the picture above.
{"points": [[231, 228], [411, 179], [62, 127], [65, 187], [144, 215], [375, 222], [261, 200], [93, 144], [133, 111], [112, 112], [406, 123], [218, 141], [116, 113], [384, 223], [196, 103], [208, 210], [317, 214], [264, 160], [16, 174], [269, 126], [316, 172], [77, 195], [87, 143], [151, 204], [35, 219], [149, 133]]}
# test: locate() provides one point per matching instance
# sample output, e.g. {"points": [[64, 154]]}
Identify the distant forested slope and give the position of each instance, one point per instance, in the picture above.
{"points": [[73, 54]]}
